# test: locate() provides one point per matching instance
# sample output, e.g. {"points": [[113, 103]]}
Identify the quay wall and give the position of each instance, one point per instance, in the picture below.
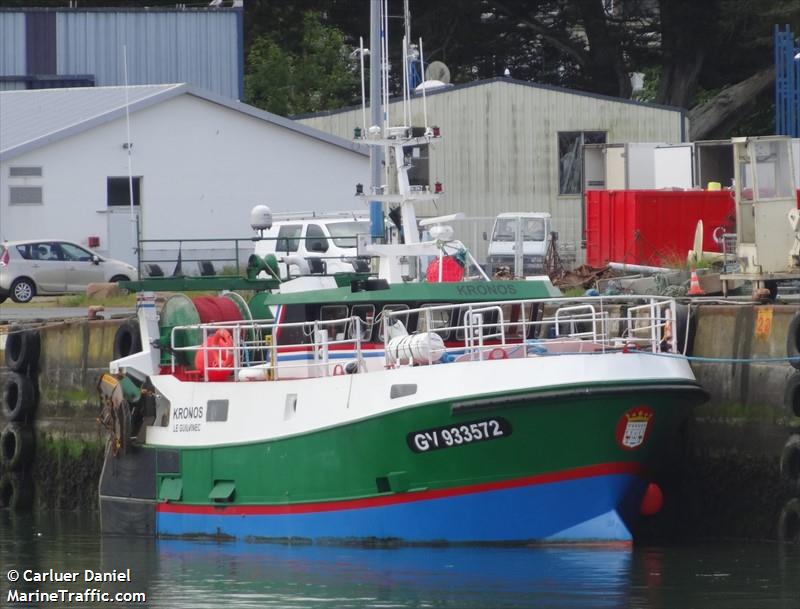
{"points": [[68, 440], [726, 475]]}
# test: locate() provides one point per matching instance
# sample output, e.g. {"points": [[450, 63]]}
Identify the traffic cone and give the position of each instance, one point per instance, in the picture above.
{"points": [[694, 286]]}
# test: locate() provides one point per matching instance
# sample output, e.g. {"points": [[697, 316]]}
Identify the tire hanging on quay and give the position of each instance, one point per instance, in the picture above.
{"points": [[16, 446], [19, 398], [790, 461], [789, 522], [16, 492], [793, 341], [22, 349], [127, 339]]}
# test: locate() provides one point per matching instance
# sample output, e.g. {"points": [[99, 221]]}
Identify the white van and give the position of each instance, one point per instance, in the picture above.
{"points": [[327, 244], [532, 229]]}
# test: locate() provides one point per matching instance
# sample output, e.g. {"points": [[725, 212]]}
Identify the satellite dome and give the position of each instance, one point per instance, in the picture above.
{"points": [[261, 218]]}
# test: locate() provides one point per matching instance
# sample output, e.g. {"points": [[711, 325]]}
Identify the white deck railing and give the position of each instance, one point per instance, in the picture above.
{"points": [[266, 349]]}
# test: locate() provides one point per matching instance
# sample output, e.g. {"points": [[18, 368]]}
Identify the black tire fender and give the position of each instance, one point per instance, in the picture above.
{"points": [[791, 396], [16, 446], [22, 349], [790, 461], [16, 492], [793, 341], [19, 398], [789, 522], [127, 339]]}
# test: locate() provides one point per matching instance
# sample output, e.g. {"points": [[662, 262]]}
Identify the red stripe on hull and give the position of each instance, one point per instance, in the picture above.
{"points": [[588, 471]]}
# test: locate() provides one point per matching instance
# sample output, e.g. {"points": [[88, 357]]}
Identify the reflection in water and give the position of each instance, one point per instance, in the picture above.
{"points": [[182, 574]]}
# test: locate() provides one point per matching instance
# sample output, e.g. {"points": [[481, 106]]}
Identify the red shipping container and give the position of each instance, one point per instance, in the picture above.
{"points": [[653, 227]]}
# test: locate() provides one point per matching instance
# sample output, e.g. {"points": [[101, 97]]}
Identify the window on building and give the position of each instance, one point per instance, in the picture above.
{"points": [[25, 195], [118, 191], [570, 158], [24, 172]]}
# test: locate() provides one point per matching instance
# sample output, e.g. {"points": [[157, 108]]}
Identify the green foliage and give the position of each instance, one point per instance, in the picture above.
{"points": [[318, 76]]}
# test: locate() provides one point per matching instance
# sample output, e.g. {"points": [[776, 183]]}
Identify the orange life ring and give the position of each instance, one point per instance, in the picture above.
{"points": [[498, 353], [217, 352]]}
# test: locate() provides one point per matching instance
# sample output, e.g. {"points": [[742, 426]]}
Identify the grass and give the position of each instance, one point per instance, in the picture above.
{"points": [[82, 300]]}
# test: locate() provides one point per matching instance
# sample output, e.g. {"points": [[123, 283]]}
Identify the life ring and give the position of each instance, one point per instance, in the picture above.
{"points": [[127, 339], [790, 460], [16, 446], [19, 398], [789, 522], [791, 395], [217, 355], [793, 341], [498, 353], [22, 349]]}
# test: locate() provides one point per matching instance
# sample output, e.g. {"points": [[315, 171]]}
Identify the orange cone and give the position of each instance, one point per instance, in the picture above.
{"points": [[694, 286]]}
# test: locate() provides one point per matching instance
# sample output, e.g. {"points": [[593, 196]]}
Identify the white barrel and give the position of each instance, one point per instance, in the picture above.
{"points": [[422, 348]]}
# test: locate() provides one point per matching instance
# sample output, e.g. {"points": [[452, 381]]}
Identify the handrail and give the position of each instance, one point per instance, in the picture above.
{"points": [[481, 330]]}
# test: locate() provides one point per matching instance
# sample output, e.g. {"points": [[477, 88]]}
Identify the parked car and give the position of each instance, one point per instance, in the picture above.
{"points": [[28, 268], [329, 240]]}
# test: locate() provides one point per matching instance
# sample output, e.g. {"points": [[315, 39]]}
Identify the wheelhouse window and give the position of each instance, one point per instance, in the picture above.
{"points": [[570, 158], [118, 191], [366, 313], [329, 313], [435, 320], [403, 319]]}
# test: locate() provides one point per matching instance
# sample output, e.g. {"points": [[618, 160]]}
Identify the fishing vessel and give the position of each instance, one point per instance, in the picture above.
{"points": [[403, 413], [378, 410]]}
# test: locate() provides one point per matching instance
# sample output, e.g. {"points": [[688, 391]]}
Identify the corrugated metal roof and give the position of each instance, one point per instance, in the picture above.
{"points": [[33, 118], [203, 47]]}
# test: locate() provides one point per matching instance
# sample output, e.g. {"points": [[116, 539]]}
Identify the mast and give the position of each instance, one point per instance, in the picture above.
{"points": [[375, 152]]}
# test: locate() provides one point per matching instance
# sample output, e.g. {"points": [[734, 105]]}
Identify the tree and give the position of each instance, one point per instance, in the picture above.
{"points": [[318, 76]]}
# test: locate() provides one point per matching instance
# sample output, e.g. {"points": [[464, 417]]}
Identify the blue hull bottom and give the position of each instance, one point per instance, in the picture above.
{"points": [[593, 509]]}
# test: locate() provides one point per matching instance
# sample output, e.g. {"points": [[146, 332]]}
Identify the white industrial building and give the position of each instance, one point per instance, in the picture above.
{"points": [[509, 145], [198, 162]]}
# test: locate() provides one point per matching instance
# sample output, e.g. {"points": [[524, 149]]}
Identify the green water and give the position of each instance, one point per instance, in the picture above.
{"points": [[197, 575]]}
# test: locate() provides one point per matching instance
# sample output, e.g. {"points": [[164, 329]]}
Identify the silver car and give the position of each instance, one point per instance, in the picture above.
{"points": [[46, 266]]}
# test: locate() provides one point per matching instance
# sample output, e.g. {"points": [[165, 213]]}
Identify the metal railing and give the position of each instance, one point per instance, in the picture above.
{"points": [[266, 349]]}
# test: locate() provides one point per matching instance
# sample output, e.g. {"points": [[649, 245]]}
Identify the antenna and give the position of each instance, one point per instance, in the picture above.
{"points": [[363, 93], [129, 146], [424, 96]]}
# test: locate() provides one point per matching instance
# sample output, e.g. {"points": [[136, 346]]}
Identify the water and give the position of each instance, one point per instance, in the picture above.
{"points": [[198, 575]]}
